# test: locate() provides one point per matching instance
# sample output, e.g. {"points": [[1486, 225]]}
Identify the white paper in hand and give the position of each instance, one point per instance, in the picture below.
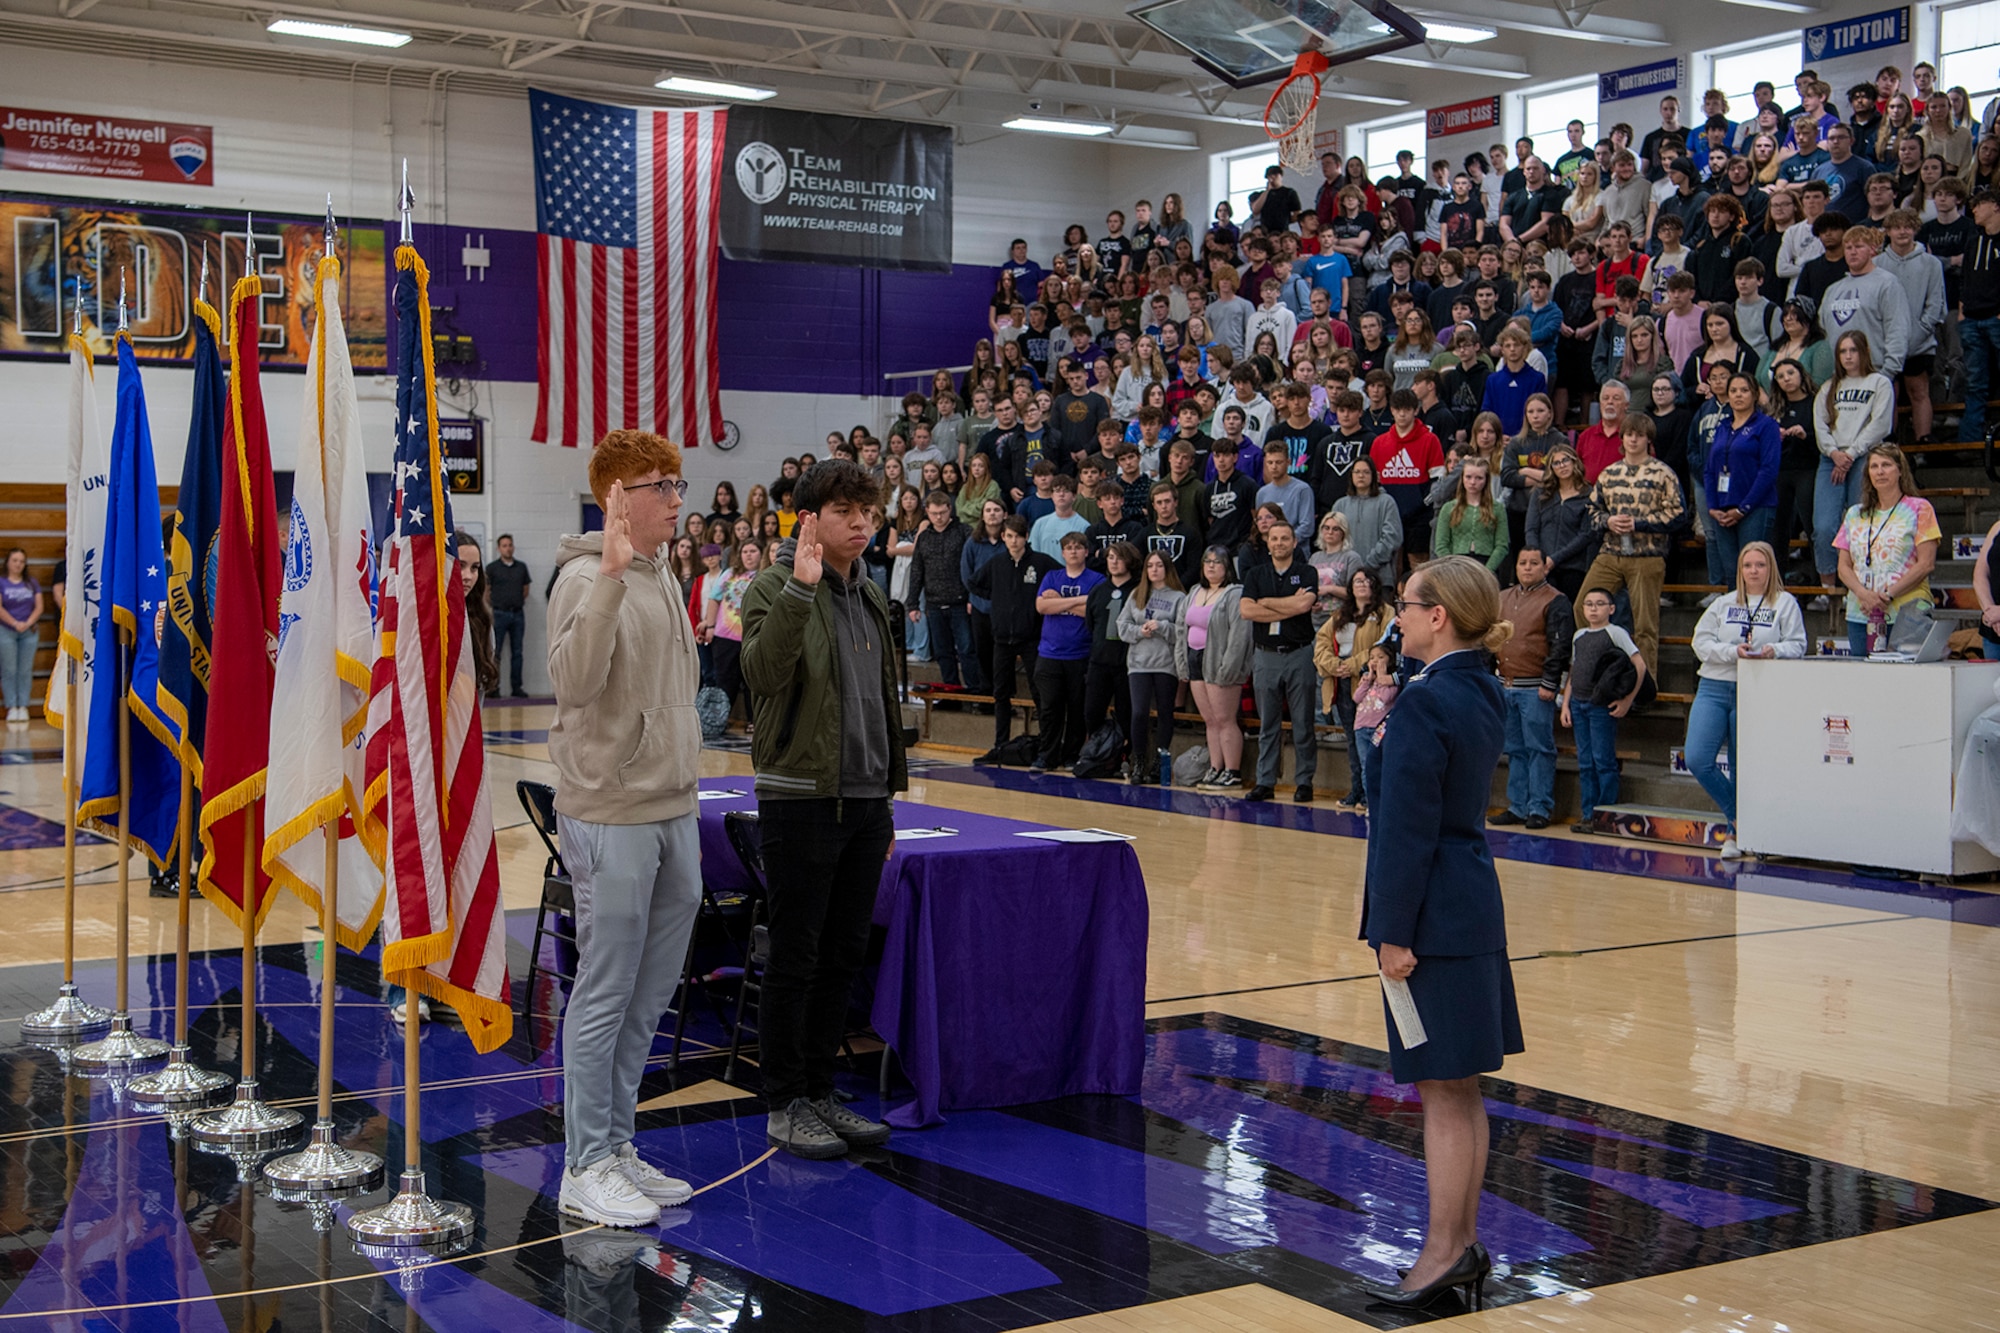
{"points": [[1403, 1009]]}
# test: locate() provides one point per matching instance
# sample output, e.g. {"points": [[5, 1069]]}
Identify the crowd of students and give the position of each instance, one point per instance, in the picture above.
{"points": [[1194, 461]]}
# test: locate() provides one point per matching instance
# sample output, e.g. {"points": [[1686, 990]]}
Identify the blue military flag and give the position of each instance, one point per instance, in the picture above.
{"points": [[185, 638], [133, 597]]}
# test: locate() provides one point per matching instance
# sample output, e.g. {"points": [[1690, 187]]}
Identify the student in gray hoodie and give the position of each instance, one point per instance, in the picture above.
{"points": [[1921, 276], [1869, 301], [625, 743]]}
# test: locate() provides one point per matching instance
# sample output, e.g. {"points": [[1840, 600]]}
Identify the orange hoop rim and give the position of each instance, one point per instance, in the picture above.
{"points": [[1309, 65]]}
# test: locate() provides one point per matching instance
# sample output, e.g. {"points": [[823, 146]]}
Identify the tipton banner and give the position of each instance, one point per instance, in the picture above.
{"points": [[92, 145], [53, 249], [819, 189]]}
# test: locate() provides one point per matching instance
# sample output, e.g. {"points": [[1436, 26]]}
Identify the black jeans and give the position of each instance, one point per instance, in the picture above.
{"points": [[1059, 687], [1104, 685], [982, 644], [728, 657], [1152, 692], [510, 628], [823, 860], [1007, 653]]}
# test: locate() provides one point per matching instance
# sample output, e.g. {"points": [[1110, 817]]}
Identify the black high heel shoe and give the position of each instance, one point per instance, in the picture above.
{"points": [[1469, 1270]]}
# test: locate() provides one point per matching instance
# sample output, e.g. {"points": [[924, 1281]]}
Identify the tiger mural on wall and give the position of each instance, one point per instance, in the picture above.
{"points": [[52, 251]]}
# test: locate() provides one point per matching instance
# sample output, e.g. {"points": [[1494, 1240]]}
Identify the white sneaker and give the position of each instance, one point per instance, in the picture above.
{"points": [[1710, 600], [400, 1011], [1730, 851], [17, 715], [602, 1192], [1819, 603], [656, 1185]]}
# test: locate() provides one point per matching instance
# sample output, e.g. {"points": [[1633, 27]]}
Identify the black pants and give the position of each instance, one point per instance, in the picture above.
{"points": [[509, 629], [1569, 582], [982, 643], [823, 858], [729, 670], [1104, 686], [1059, 691], [1152, 693], [1006, 653]]}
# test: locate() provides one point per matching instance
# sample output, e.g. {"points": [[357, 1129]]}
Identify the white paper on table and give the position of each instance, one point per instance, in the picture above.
{"points": [[722, 795], [1075, 835], [912, 834], [1403, 1008]]}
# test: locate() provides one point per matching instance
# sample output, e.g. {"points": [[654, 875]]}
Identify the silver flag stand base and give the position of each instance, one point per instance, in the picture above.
{"points": [[411, 1221], [324, 1169], [117, 1051], [246, 1126], [69, 1019], [181, 1086]]}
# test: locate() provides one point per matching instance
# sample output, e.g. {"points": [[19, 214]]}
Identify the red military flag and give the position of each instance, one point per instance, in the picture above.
{"points": [[249, 576]]}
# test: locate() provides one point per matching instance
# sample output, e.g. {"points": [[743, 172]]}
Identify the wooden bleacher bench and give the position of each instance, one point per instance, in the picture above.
{"points": [[1969, 496]]}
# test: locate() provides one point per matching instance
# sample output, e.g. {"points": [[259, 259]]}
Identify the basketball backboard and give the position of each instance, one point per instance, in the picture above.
{"points": [[1246, 42]]}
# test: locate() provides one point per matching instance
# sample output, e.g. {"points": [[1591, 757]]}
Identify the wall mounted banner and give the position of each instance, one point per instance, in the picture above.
{"points": [[1660, 77], [1830, 41], [52, 249], [87, 145], [1462, 118], [816, 189]]}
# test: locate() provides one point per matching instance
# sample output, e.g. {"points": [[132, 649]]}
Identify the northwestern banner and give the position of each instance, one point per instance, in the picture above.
{"points": [[1830, 41], [92, 145], [816, 189], [53, 249], [1660, 77]]}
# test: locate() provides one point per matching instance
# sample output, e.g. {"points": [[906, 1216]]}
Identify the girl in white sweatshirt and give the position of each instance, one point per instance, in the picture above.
{"points": [[1855, 411], [1760, 619]]}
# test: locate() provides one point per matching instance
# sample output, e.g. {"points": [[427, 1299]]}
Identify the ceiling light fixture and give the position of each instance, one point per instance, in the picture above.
{"points": [[1786, 6], [1461, 34], [740, 92], [1037, 125], [337, 32]]}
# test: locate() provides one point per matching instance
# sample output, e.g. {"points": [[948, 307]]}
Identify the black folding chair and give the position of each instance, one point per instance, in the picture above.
{"points": [[558, 892]]}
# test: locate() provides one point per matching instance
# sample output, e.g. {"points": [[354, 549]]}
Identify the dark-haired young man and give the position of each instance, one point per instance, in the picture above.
{"points": [[828, 750], [1113, 526]]}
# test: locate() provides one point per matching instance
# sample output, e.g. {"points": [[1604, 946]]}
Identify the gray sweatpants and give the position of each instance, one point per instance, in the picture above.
{"points": [[1281, 682], [638, 887]]}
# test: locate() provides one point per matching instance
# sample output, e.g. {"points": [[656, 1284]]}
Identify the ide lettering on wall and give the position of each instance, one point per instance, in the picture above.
{"points": [[836, 190], [53, 250], [109, 146]]}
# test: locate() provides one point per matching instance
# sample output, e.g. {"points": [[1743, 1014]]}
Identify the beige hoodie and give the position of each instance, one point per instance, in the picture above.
{"points": [[626, 741]]}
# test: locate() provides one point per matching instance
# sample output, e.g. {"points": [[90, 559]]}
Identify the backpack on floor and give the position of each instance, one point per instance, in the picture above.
{"points": [[711, 706], [1017, 752], [1190, 765], [1103, 753]]}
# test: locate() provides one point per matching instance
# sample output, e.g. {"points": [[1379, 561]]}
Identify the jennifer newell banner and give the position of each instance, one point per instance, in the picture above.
{"points": [[820, 189], [70, 144]]}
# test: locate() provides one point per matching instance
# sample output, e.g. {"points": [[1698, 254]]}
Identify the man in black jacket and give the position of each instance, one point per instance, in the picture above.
{"points": [[1232, 503], [1010, 581], [934, 576], [1114, 526], [1173, 537], [1074, 417]]}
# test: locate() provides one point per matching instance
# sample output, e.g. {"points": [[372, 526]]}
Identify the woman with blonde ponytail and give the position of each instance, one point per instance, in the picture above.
{"points": [[1433, 913]]}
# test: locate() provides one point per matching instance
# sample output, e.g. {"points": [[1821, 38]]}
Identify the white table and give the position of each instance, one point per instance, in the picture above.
{"points": [[1853, 761]]}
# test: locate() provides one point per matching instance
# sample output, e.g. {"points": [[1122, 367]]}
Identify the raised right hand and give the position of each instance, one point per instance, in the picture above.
{"points": [[617, 556], [808, 555]]}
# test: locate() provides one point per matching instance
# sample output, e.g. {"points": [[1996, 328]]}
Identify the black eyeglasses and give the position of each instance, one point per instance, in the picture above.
{"points": [[663, 485], [1403, 604]]}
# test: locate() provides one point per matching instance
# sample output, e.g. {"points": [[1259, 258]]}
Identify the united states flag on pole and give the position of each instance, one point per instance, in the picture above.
{"points": [[443, 929], [628, 207]]}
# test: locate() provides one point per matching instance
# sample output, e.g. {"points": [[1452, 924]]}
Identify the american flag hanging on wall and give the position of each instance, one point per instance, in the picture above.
{"points": [[628, 208]]}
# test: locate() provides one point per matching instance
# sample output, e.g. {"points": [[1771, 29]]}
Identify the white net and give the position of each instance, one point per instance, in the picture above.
{"points": [[1291, 120]]}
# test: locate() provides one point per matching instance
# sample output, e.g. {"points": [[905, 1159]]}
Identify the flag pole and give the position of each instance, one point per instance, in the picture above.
{"points": [[411, 1220], [325, 1169], [115, 1053], [182, 1085], [70, 1019]]}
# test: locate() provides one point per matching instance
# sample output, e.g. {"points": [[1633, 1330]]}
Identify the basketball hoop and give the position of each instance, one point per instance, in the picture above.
{"points": [[1291, 116]]}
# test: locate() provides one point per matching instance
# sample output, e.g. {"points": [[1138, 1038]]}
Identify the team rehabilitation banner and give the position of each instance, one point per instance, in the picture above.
{"points": [[819, 189], [52, 249]]}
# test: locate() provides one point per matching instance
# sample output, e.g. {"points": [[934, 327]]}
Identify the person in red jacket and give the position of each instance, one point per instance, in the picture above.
{"points": [[1603, 444], [1407, 458]]}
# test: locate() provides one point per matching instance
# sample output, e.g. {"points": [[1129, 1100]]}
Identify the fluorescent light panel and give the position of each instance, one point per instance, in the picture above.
{"points": [[1459, 33], [1786, 6], [337, 32], [740, 92], [1037, 125]]}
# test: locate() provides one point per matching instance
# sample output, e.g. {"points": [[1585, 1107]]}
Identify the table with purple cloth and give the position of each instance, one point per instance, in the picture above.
{"points": [[1013, 969]]}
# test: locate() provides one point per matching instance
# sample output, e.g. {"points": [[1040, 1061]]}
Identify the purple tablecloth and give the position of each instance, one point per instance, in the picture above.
{"points": [[1014, 970]]}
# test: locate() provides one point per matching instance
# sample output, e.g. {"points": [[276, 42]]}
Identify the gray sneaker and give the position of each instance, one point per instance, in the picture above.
{"points": [[856, 1131], [799, 1131]]}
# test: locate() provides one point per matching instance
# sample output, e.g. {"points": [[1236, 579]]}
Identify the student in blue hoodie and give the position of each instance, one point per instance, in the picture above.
{"points": [[1740, 474], [1545, 317]]}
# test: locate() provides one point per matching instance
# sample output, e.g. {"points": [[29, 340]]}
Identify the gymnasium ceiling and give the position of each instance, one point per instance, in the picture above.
{"points": [[972, 63]]}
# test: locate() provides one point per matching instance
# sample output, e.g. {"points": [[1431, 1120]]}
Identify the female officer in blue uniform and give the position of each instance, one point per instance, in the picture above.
{"points": [[1432, 911]]}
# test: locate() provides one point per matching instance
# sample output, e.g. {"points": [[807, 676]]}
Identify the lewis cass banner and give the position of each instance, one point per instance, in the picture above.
{"points": [[820, 189]]}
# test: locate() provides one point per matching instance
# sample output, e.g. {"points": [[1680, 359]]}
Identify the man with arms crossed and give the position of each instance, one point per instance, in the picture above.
{"points": [[625, 743], [828, 750]]}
